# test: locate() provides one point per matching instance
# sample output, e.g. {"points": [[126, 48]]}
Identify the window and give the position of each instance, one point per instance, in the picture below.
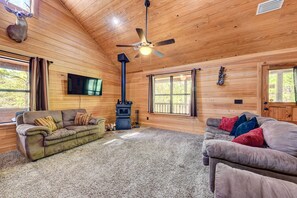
{"points": [[14, 89], [172, 94], [23, 5], [281, 85]]}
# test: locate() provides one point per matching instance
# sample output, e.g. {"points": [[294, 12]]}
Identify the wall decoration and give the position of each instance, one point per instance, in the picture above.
{"points": [[222, 76], [18, 31]]}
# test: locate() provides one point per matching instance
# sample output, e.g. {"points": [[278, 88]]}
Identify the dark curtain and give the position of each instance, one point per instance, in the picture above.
{"points": [[150, 95], [39, 74], [193, 94], [295, 82]]}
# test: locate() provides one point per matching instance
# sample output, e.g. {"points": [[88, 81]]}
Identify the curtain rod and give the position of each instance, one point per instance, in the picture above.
{"points": [[18, 55], [199, 69]]}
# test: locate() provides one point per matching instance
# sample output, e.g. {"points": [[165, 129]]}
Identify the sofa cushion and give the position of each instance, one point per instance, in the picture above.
{"points": [[212, 136], [246, 127], [216, 130], [227, 124], [60, 133], [56, 141], [30, 116], [82, 128], [69, 116], [261, 120], [241, 120], [252, 138], [217, 136], [281, 136]]}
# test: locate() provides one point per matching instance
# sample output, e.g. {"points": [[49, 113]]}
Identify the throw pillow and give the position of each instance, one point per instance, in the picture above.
{"points": [[82, 118], [47, 122], [253, 138], [281, 136], [241, 120], [246, 127], [227, 124]]}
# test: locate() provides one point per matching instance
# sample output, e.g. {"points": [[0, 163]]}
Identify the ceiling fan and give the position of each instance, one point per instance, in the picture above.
{"points": [[146, 47]]}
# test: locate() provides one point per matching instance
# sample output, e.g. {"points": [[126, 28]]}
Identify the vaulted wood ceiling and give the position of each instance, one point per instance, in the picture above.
{"points": [[203, 30]]}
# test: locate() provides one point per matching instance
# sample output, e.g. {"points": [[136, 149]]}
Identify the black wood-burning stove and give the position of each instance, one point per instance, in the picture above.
{"points": [[123, 107]]}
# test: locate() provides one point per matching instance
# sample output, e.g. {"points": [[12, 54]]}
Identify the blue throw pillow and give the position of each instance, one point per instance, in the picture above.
{"points": [[246, 127], [242, 119]]}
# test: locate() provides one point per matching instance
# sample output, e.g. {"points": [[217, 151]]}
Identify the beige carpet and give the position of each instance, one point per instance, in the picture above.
{"points": [[137, 163]]}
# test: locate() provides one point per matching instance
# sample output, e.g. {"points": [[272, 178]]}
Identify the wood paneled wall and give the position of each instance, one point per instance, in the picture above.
{"points": [[7, 138], [242, 82], [56, 36], [203, 30]]}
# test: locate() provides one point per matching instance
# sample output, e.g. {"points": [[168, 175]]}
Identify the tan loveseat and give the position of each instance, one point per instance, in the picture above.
{"points": [[36, 142]]}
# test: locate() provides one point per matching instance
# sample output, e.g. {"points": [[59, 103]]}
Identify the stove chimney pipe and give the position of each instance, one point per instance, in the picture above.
{"points": [[123, 59]]}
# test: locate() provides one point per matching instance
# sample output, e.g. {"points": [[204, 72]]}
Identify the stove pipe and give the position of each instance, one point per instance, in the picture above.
{"points": [[123, 59]]}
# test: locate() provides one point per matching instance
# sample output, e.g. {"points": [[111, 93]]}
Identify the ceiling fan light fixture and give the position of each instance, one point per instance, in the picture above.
{"points": [[145, 50]]}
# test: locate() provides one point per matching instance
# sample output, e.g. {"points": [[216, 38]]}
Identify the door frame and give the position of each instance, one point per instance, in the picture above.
{"points": [[263, 80]]}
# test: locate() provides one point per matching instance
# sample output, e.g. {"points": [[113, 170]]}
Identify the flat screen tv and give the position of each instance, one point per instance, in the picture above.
{"points": [[82, 85]]}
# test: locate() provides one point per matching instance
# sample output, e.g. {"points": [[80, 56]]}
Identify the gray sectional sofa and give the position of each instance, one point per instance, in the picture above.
{"points": [[278, 159], [36, 142]]}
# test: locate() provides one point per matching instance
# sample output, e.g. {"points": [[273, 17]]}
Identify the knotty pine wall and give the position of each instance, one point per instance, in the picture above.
{"points": [[56, 36], [243, 81]]}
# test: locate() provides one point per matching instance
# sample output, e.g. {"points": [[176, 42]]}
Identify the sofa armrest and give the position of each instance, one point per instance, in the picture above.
{"points": [[29, 130], [215, 122], [96, 121], [262, 158], [229, 182]]}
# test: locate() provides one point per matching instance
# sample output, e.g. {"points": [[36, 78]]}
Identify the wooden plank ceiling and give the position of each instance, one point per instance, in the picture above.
{"points": [[203, 30]]}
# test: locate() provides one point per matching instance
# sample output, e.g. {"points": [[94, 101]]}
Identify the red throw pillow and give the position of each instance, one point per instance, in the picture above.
{"points": [[253, 138], [227, 124]]}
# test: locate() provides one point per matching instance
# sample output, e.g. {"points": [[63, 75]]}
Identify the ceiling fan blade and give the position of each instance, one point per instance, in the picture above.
{"points": [[137, 55], [125, 45], [141, 35], [157, 53], [166, 42]]}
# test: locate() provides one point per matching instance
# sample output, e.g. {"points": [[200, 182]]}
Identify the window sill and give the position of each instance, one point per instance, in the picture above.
{"points": [[174, 115], [8, 124]]}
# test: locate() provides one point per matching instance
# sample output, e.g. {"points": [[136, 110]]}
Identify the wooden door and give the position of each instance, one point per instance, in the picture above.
{"points": [[278, 95]]}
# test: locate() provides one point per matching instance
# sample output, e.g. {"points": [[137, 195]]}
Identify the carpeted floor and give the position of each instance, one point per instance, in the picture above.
{"points": [[138, 163]]}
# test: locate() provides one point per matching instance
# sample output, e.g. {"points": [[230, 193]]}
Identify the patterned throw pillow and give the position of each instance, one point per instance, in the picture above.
{"points": [[253, 138], [227, 124], [82, 118], [47, 122]]}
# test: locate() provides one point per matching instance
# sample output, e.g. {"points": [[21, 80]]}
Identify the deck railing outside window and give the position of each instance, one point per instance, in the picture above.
{"points": [[172, 93], [177, 108]]}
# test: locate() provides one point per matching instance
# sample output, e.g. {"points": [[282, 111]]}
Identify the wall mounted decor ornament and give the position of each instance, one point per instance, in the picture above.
{"points": [[222, 76], [18, 31]]}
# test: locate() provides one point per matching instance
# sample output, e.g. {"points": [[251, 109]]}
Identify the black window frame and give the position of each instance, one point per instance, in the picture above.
{"points": [[17, 91], [171, 95]]}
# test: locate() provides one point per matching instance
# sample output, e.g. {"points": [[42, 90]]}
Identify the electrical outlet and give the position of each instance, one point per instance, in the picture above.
{"points": [[238, 101], [147, 118]]}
